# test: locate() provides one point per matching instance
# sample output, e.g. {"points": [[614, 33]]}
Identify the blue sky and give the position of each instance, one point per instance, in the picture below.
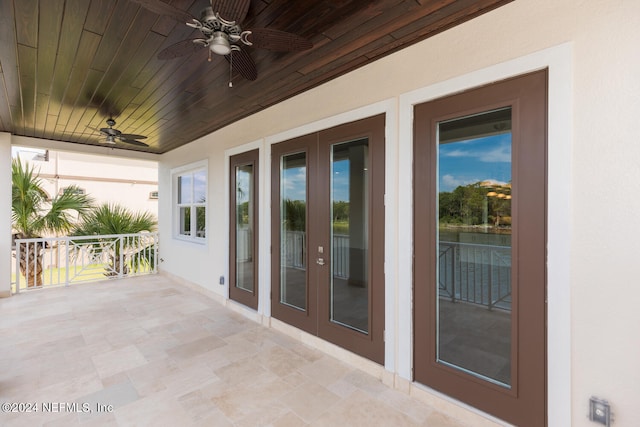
{"points": [[474, 160], [460, 163], [295, 178]]}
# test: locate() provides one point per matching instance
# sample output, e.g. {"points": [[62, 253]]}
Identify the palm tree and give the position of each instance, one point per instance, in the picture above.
{"points": [[33, 215], [110, 219]]}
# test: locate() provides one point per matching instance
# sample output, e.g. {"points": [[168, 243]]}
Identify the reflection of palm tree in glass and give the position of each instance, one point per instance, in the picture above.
{"points": [[201, 216], [242, 206], [295, 215]]}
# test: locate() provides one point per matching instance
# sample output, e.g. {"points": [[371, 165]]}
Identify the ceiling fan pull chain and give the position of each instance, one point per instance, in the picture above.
{"points": [[231, 69]]}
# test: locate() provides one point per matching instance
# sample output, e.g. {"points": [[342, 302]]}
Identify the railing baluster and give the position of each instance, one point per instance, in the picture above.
{"points": [[490, 280], [18, 272], [471, 269], [119, 241], [67, 265]]}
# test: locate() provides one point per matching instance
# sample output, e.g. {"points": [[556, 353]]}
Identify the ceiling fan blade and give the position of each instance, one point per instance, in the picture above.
{"points": [[110, 131], [161, 8], [243, 63], [134, 142], [279, 41], [132, 136], [231, 10], [183, 48]]}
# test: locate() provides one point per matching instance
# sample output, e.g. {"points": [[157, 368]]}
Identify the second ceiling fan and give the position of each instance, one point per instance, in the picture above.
{"points": [[220, 25]]}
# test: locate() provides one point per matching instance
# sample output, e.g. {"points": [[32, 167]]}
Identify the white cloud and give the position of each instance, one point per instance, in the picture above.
{"points": [[501, 154], [500, 151], [450, 182]]}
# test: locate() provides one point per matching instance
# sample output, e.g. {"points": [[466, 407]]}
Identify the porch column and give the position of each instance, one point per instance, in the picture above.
{"points": [[5, 214]]}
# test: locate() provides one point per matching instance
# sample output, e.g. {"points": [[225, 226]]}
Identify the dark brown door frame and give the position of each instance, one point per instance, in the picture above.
{"points": [[315, 319], [306, 320], [250, 299], [370, 345], [525, 403]]}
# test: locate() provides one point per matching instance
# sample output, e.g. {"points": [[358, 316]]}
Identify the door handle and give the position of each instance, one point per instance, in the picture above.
{"points": [[320, 261]]}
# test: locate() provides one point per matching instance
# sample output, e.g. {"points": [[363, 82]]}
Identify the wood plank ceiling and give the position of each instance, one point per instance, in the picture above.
{"points": [[67, 65]]}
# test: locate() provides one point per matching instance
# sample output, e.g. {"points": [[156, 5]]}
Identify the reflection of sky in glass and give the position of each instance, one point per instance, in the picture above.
{"points": [[294, 183], [295, 186], [475, 160], [184, 189], [200, 186], [340, 182], [243, 175]]}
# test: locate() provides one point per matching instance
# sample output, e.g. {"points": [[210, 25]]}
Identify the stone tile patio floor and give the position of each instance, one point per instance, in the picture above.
{"points": [[164, 355]]}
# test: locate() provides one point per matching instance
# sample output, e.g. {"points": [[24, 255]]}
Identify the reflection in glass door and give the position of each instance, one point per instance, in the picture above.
{"points": [[243, 268], [327, 235], [293, 231], [350, 234], [244, 227], [474, 245]]}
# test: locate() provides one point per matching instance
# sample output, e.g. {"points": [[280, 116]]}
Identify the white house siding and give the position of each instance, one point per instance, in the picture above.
{"points": [[594, 181]]}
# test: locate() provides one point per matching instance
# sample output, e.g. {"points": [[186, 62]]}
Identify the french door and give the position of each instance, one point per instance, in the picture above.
{"points": [[243, 227], [328, 235], [479, 241]]}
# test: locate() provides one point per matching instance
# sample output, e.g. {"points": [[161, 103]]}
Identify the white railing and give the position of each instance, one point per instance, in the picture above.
{"points": [[61, 261]]}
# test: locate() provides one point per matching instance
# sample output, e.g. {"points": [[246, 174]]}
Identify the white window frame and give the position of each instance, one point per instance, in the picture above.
{"points": [[190, 169]]}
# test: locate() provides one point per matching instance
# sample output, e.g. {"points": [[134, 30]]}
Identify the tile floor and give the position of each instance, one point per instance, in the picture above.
{"points": [[163, 355]]}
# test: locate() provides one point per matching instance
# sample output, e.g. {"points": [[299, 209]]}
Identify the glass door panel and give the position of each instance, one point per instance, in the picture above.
{"points": [[474, 245], [244, 228], [350, 235], [293, 230], [327, 231]]}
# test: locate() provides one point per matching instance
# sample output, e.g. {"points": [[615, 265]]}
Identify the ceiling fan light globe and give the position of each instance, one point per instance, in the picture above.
{"points": [[219, 44]]}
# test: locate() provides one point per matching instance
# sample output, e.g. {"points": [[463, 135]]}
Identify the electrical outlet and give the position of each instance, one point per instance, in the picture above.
{"points": [[221, 280], [600, 411]]}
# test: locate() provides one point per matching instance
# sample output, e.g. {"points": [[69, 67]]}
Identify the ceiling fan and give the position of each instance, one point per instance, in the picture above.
{"points": [[113, 135], [220, 25]]}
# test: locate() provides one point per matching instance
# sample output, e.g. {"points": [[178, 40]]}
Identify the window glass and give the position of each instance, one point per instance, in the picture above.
{"points": [[191, 193], [474, 245], [184, 188], [199, 187], [200, 221], [185, 221]]}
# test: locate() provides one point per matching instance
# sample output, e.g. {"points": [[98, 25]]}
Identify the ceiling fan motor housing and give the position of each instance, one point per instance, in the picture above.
{"points": [[219, 32]]}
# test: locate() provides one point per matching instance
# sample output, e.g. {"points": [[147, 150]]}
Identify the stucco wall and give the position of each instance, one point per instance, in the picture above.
{"points": [[5, 214], [603, 170]]}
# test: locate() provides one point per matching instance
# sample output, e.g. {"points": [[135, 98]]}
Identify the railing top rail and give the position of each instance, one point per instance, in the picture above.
{"points": [[475, 245], [92, 237]]}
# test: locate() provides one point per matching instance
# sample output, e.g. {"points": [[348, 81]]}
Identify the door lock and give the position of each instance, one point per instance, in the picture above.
{"points": [[320, 261]]}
